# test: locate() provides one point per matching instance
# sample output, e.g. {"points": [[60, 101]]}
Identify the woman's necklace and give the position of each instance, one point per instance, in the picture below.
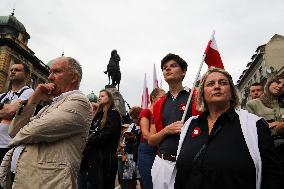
{"points": [[211, 123]]}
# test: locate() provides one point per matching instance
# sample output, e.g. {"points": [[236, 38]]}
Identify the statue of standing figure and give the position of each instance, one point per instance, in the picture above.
{"points": [[113, 69]]}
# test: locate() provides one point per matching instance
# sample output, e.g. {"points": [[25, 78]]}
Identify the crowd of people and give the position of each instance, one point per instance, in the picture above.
{"points": [[54, 137]]}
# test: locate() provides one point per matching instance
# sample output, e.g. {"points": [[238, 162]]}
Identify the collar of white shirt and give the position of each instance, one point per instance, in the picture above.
{"points": [[63, 95]]}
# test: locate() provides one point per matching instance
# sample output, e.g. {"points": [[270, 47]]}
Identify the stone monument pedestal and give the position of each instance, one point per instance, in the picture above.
{"points": [[119, 102]]}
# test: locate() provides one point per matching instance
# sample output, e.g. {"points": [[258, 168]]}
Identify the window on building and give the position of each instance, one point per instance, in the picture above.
{"points": [[249, 83], [255, 77], [33, 81], [260, 72]]}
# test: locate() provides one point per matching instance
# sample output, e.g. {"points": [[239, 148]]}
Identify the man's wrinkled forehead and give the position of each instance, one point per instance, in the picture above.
{"points": [[59, 64]]}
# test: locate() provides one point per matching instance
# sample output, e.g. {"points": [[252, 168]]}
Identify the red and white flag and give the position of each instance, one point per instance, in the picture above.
{"points": [[145, 95], [155, 79], [212, 55]]}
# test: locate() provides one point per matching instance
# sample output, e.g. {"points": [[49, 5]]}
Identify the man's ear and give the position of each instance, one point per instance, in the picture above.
{"points": [[75, 78], [184, 73], [27, 77]]}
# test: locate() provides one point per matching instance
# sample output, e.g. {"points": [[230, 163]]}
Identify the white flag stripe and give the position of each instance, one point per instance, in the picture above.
{"points": [[145, 95], [213, 44], [155, 79]]}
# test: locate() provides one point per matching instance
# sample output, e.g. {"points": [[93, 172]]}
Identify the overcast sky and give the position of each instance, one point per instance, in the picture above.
{"points": [[143, 32]]}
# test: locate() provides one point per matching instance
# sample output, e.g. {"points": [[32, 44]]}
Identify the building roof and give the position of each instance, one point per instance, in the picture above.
{"points": [[49, 63], [92, 97], [25, 52], [11, 21], [259, 53]]}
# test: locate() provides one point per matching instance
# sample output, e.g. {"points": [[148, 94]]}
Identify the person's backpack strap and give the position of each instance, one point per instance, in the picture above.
{"points": [[133, 128], [21, 92], [3, 96]]}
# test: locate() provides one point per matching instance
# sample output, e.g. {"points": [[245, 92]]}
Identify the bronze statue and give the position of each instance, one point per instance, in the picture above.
{"points": [[113, 69]]}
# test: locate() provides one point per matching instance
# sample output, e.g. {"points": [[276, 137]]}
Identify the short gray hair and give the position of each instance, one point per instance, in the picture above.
{"points": [[201, 104], [75, 66]]}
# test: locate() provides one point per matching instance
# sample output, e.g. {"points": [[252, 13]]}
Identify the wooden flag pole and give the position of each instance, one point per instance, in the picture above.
{"points": [[194, 83], [192, 89]]}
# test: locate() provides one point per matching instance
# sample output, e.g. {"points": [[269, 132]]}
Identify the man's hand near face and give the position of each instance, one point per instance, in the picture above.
{"points": [[43, 92]]}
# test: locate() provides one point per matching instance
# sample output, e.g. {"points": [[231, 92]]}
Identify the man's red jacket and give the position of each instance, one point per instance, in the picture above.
{"points": [[157, 110]]}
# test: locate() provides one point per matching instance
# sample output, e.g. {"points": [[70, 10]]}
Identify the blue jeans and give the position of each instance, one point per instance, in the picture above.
{"points": [[146, 157]]}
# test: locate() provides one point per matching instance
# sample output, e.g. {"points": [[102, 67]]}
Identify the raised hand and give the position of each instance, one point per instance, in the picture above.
{"points": [[43, 92]]}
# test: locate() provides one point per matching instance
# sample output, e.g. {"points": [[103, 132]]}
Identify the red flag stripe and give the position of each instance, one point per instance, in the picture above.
{"points": [[213, 58], [212, 55]]}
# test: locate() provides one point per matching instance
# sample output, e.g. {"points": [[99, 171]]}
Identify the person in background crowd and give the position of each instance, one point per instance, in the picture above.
{"points": [[121, 156], [49, 146], [130, 173], [167, 114], [255, 90], [225, 147], [99, 156], [10, 102], [146, 153], [82, 175], [270, 106]]}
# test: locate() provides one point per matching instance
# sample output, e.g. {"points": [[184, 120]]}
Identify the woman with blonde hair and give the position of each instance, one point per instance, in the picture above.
{"points": [[99, 160], [225, 147]]}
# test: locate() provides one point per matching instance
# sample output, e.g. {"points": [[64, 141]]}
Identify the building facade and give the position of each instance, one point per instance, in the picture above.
{"points": [[13, 48], [267, 60]]}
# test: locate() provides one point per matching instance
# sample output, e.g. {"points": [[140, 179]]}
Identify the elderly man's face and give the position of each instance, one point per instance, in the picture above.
{"points": [[61, 76], [217, 89]]}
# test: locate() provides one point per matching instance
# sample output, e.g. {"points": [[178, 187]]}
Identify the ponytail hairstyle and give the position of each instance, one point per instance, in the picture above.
{"points": [[154, 94], [134, 112]]}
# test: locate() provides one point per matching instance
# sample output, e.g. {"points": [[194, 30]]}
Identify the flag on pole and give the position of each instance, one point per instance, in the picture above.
{"points": [[212, 55], [213, 59], [145, 95], [155, 79]]}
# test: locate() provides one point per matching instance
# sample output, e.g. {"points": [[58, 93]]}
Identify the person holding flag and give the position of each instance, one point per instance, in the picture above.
{"points": [[225, 147], [167, 114], [167, 117]]}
